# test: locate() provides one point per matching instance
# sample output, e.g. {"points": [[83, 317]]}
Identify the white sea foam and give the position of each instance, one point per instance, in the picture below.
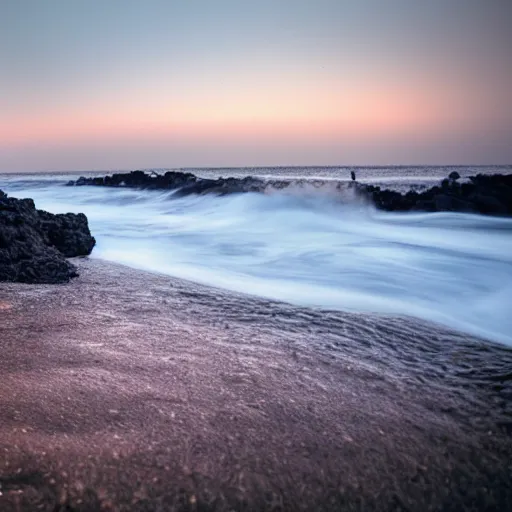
{"points": [[310, 249]]}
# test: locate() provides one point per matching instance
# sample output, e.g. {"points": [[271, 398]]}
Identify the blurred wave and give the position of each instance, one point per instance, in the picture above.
{"points": [[312, 247]]}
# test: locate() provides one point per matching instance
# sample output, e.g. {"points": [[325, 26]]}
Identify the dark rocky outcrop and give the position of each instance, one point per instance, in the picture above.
{"points": [[486, 194], [184, 183], [34, 244], [481, 194]]}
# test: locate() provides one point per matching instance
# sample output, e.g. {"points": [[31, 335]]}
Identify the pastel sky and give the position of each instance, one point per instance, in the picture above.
{"points": [[123, 84]]}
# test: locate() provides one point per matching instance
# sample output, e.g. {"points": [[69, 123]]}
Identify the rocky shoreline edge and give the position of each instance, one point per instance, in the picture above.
{"points": [[34, 244], [130, 391], [484, 194]]}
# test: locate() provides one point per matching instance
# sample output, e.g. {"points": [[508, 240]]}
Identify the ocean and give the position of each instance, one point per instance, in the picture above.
{"points": [[308, 246]]}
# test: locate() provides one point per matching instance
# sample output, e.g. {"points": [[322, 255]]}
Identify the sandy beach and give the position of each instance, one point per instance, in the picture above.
{"points": [[126, 390]]}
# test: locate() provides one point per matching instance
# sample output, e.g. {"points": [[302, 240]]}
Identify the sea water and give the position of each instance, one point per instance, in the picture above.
{"points": [[311, 246]]}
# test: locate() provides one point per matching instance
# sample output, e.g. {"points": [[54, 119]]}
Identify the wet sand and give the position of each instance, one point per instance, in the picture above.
{"points": [[125, 390]]}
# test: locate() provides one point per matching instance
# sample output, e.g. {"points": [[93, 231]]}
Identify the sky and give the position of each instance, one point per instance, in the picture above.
{"points": [[124, 84]]}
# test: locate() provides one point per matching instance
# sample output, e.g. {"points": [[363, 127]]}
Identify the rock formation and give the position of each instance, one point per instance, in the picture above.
{"points": [[34, 244], [481, 194], [184, 182], [486, 194]]}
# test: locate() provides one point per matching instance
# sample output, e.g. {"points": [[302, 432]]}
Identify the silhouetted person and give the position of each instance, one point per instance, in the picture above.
{"points": [[353, 175]]}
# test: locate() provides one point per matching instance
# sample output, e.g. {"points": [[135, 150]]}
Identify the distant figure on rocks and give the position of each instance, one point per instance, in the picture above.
{"points": [[353, 175]]}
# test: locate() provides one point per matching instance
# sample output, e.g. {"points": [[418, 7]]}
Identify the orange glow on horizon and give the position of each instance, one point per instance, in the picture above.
{"points": [[357, 113]]}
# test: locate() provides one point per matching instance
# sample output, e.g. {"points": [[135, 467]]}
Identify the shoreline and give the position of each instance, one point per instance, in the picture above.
{"points": [[128, 390], [462, 331]]}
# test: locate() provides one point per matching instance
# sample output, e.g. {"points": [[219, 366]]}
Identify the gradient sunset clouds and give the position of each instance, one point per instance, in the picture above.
{"points": [[119, 84]]}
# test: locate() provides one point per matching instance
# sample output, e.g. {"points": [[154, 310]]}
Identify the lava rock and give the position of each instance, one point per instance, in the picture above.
{"points": [[34, 244]]}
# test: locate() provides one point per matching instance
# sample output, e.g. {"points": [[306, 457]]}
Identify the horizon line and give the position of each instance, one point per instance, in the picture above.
{"points": [[228, 167]]}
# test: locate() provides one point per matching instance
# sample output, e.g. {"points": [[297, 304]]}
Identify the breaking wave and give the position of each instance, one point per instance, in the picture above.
{"points": [[309, 245]]}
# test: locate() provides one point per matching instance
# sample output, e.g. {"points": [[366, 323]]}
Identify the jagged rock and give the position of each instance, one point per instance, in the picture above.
{"points": [[487, 194], [67, 232], [483, 193], [34, 244]]}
